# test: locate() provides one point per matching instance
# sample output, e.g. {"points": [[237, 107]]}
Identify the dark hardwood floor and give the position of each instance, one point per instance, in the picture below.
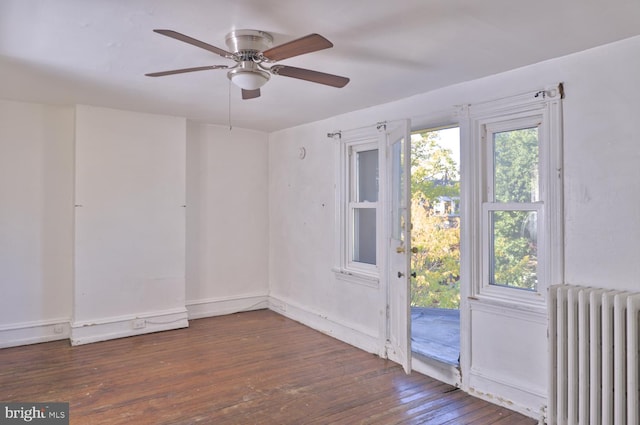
{"points": [[248, 368]]}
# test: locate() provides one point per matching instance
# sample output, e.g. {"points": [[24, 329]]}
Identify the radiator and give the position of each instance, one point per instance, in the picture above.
{"points": [[593, 347]]}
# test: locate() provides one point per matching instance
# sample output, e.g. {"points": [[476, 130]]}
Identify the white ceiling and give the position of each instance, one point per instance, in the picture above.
{"points": [[96, 52]]}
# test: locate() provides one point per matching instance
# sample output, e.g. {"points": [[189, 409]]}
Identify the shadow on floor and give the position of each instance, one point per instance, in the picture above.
{"points": [[435, 333]]}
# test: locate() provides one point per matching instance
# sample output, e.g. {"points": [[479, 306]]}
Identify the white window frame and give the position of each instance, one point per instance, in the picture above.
{"points": [[541, 109], [346, 268], [353, 205]]}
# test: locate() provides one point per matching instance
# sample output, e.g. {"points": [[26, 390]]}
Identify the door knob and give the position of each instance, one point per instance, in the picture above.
{"points": [[400, 249], [400, 274], [413, 275]]}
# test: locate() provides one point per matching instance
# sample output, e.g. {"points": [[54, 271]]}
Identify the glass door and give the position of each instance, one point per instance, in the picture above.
{"points": [[399, 244]]}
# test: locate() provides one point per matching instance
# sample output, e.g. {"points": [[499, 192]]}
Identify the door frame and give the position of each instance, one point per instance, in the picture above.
{"points": [[449, 374]]}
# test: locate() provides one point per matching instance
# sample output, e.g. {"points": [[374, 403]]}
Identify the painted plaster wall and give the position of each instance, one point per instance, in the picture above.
{"points": [[36, 217], [130, 217], [227, 219], [602, 232], [602, 171], [301, 242], [129, 163]]}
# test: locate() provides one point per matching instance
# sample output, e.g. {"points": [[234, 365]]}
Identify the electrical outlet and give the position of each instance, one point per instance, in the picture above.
{"points": [[139, 324], [58, 329]]}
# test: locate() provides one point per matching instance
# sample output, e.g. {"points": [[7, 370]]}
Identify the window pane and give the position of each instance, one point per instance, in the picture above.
{"points": [[514, 251], [516, 165], [397, 191], [364, 237], [367, 176]]}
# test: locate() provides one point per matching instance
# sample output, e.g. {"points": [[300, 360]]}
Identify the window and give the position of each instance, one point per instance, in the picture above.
{"points": [[516, 149], [363, 203], [358, 209], [513, 203]]}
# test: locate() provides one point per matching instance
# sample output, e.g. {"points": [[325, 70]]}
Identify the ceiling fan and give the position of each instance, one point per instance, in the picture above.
{"points": [[255, 59]]}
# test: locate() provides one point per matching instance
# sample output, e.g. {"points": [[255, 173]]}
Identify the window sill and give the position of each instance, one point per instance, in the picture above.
{"points": [[525, 309], [372, 281], [511, 295]]}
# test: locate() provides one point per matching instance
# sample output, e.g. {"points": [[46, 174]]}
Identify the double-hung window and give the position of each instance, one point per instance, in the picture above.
{"points": [[513, 208], [363, 205], [358, 203], [519, 174]]}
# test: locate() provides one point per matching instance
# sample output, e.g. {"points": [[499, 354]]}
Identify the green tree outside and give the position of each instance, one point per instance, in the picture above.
{"points": [[436, 234], [514, 232]]}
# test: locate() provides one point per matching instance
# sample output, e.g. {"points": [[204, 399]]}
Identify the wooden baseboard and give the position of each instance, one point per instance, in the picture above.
{"points": [[210, 307], [119, 327], [34, 332]]}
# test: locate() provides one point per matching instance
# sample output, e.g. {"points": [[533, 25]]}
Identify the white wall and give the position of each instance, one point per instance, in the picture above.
{"points": [[601, 139], [301, 243], [602, 167], [36, 222], [129, 223], [134, 256], [227, 220]]}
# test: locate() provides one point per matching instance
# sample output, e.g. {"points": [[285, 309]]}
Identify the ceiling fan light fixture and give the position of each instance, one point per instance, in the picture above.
{"points": [[248, 79]]}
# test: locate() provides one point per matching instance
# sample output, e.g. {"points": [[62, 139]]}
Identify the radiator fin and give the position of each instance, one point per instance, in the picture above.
{"points": [[594, 354]]}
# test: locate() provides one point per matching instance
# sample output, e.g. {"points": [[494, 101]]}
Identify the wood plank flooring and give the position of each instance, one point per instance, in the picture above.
{"points": [[249, 368]]}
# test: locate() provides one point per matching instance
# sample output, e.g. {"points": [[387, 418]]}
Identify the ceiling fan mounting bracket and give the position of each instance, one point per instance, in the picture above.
{"points": [[248, 42]]}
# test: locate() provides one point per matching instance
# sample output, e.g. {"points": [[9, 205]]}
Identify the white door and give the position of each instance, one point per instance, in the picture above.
{"points": [[399, 241]]}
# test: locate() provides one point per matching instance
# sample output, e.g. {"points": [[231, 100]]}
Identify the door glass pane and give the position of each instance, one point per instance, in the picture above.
{"points": [[367, 176], [364, 237], [397, 192], [514, 251], [515, 164]]}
